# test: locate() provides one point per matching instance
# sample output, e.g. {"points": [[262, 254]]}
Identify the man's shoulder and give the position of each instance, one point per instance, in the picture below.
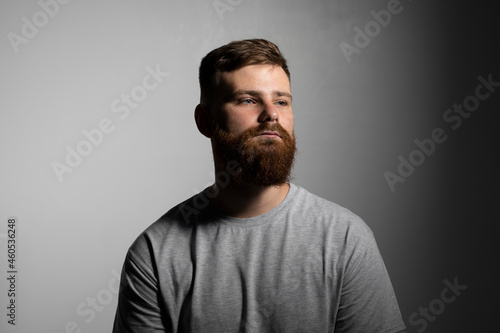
{"points": [[168, 230], [177, 219], [332, 215]]}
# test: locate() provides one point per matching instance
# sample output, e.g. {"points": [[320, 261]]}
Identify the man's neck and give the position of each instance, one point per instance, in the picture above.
{"points": [[246, 200]]}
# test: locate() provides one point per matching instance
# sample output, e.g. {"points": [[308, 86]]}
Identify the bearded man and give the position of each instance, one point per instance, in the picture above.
{"points": [[254, 252]]}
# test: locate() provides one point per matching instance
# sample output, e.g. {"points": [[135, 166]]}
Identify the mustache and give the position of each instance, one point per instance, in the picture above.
{"points": [[267, 127]]}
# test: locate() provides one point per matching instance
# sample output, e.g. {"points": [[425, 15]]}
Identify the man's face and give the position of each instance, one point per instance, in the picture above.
{"points": [[253, 95], [253, 113]]}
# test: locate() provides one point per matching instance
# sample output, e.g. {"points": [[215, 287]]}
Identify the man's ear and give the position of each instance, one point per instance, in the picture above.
{"points": [[204, 120]]}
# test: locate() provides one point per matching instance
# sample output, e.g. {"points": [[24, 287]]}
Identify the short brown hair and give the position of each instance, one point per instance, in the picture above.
{"points": [[233, 56]]}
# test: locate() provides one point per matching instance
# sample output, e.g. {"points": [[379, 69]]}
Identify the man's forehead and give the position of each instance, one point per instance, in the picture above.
{"points": [[255, 78]]}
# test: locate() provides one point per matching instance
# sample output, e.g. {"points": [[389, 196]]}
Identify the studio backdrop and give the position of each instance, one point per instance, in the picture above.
{"points": [[98, 140]]}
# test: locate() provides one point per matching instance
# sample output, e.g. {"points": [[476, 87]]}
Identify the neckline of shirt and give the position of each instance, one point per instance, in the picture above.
{"points": [[256, 220]]}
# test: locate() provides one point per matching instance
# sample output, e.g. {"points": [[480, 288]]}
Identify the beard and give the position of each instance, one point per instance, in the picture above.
{"points": [[261, 161]]}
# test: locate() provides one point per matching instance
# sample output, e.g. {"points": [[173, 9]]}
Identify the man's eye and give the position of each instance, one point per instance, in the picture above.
{"points": [[246, 101], [282, 103]]}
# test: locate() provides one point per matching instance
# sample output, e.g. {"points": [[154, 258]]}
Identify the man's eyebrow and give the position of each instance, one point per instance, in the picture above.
{"points": [[246, 92], [283, 93], [256, 93]]}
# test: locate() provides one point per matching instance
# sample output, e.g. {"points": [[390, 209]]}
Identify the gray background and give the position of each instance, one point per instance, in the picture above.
{"points": [[352, 119]]}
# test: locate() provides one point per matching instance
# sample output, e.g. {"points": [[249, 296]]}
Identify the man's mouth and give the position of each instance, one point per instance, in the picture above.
{"points": [[270, 134]]}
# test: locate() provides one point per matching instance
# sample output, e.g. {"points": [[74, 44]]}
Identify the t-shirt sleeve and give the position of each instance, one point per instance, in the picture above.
{"points": [[139, 306], [367, 302]]}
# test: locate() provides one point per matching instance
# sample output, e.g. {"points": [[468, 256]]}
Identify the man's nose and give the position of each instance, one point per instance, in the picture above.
{"points": [[268, 113]]}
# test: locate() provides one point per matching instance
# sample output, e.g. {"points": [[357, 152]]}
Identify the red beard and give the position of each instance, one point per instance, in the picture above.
{"points": [[262, 161]]}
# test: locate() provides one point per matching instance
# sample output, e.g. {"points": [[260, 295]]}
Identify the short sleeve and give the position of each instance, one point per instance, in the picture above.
{"points": [[139, 306], [367, 302]]}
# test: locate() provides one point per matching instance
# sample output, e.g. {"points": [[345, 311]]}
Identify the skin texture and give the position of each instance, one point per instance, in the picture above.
{"points": [[246, 98]]}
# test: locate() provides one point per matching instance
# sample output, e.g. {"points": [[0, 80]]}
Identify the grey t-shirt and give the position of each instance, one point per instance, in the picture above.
{"points": [[308, 265]]}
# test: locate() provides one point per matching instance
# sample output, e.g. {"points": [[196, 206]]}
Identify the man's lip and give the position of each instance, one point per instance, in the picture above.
{"points": [[269, 133]]}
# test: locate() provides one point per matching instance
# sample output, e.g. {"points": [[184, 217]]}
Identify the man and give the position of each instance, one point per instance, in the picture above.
{"points": [[254, 252]]}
